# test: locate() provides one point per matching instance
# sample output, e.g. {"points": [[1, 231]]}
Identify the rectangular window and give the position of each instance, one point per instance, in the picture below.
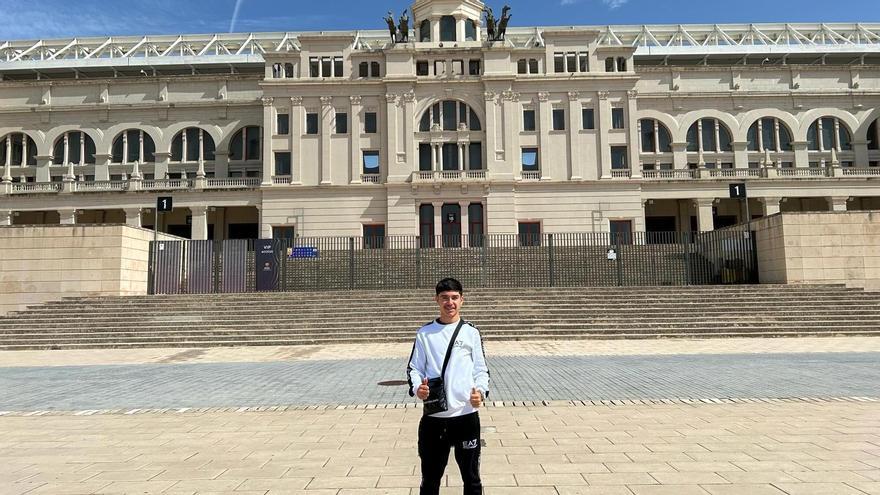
{"points": [[528, 120], [341, 123], [583, 63], [375, 70], [621, 231], [311, 123], [426, 157], [529, 234], [282, 163], [530, 159], [521, 67], [426, 225], [609, 64], [617, 121], [558, 62], [618, 158], [533, 66], [364, 69], [458, 67], [422, 68], [371, 162], [558, 119], [571, 62], [588, 118], [314, 67], [284, 232], [326, 66], [370, 125], [439, 67], [476, 230], [475, 156], [621, 64], [374, 236], [474, 67], [282, 127]]}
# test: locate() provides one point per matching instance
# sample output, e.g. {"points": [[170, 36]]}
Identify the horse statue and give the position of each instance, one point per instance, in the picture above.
{"points": [[502, 25], [404, 27], [490, 23], [389, 19]]}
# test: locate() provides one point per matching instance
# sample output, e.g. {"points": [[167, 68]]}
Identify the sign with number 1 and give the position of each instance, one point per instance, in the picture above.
{"points": [[738, 191], [164, 204]]}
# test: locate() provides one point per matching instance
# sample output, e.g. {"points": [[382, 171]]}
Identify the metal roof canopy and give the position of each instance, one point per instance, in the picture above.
{"points": [[233, 49]]}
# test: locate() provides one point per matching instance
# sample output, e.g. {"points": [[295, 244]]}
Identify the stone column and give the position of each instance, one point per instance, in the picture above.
{"points": [[705, 221], [133, 217], [459, 29], [545, 117], [268, 157], [5, 217], [43, 172], [265, 228], [684, 216], [161, 168], [771, 206], [327, 117], [838, 203], [801, 154], [632, 134], [297, 121], [576, 160], [354, 133], [102, 166], [67, 217], [461, 156], [409, 141], [438, 224], [465, 219], [221, 163], [603, 127], [199, 222], [435, 28], [511, 115]]}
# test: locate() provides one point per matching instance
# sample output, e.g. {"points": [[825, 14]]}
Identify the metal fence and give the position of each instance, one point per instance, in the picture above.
{"points": [[396, 262]]}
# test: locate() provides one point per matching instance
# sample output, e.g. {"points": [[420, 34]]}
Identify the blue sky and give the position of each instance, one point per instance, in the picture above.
{"points": [[68, 18]]}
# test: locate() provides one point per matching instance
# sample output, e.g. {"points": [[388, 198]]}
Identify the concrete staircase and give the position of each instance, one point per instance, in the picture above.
{"points": [[294, 318]]}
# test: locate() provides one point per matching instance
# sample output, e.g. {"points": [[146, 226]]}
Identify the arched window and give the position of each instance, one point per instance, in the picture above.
{"points": [[185, 146], [246, 144], [874, 136], [133, 145], [74, 146], [709, 136], [447, 28], [655, 137], [769, 133], [18, 149], [449, 115], [829, 133], [425, 30], [470, 30]]}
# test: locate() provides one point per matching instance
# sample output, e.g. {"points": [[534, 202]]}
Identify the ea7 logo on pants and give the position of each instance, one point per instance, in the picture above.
{"points": [[470, 445]]}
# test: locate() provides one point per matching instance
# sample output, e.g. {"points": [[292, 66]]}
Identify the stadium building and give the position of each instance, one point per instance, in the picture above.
{"points": [[447, 131]]}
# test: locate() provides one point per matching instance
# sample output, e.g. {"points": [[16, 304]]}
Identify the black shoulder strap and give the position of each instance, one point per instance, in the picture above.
{"points": [[449, 349]]}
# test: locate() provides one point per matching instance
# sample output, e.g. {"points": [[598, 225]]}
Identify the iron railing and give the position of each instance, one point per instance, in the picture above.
{"points": [[506, 260]]}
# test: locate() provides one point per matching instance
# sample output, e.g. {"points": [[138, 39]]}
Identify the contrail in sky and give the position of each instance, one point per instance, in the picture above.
{"points": [[235, 15]]}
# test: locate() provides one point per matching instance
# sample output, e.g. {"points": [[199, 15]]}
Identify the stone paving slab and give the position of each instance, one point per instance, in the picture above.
{"points": [[716, 449], [514, 378], [371, 351]]}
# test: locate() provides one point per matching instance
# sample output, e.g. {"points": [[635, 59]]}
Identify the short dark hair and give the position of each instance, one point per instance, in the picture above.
{"points": [[449, 284]]}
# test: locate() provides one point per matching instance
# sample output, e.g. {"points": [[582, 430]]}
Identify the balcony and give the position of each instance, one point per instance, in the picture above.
{"points": [[166, 184], [371, 178], [530, 175], [100, 186], [621, 173], [448, 176], [36, 187], [669, 174]]}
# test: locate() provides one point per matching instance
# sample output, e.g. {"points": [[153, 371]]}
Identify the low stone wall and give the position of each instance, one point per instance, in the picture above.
{"points": [[40, 263], [832, 247]]}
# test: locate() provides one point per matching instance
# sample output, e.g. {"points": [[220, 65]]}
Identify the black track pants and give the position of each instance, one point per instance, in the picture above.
{"points": [[436, 436]]}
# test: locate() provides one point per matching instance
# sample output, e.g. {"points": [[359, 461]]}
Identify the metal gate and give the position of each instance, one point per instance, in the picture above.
{"points": [[397, 262]]}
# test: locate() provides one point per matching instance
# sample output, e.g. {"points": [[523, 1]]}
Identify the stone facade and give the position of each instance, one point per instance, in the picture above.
{"points": [[45, 263], [820, 248], [551, 129]]}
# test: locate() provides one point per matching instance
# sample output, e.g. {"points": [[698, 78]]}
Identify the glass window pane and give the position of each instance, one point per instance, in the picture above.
{"points": [[845, 142], [617, 118], [571, 62], [236, 148], [470, 30], [176, 148], [521, 66], [253, 143], [813, 136], [425, 123], [752, 138], [583, 64], [709, 144], [665, 140], [311, 123], [117, 150], [58, 155], [149, 149], [558, 62], [528, 120], [375, 70], [768, 134], [558, 119], [475, 121], [475, 156], [283, 125], [533, 66], [425, 157], [587, 116], [314, 67], [371, 162], [647, 135], [192, 144], [692, 144], [618, 157], [447, 28], [529, 159], [341, 123], [828, 133], [364, 69], [282, 163], [370, 123], [326, 68], [724, 140], [450, 157], [449, 123], [425, 30], [209, 147]]}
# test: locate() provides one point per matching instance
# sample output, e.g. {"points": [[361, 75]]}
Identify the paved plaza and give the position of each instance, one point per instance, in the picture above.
{"points": [[735, 416]]}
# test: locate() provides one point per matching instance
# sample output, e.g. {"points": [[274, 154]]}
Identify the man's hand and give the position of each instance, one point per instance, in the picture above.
{"points": [[476, 398], [422, 391]]}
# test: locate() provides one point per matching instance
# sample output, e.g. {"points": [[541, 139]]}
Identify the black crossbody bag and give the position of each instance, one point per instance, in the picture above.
{"points": [[436, 401]]}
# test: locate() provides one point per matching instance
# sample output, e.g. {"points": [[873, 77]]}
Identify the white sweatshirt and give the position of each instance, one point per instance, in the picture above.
{"points": [[466, 369]]}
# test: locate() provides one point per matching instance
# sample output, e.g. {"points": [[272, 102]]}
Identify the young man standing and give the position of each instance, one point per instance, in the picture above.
{"points": [[466, 385]]}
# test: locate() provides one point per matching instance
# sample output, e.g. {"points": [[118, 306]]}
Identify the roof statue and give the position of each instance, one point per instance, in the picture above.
{"points": [[403, 28], [502, 24], [490, 23], [389, 19]]}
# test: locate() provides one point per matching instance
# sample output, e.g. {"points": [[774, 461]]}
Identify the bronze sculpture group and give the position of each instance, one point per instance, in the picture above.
{"points": [[399, 32], [495, 29]]}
